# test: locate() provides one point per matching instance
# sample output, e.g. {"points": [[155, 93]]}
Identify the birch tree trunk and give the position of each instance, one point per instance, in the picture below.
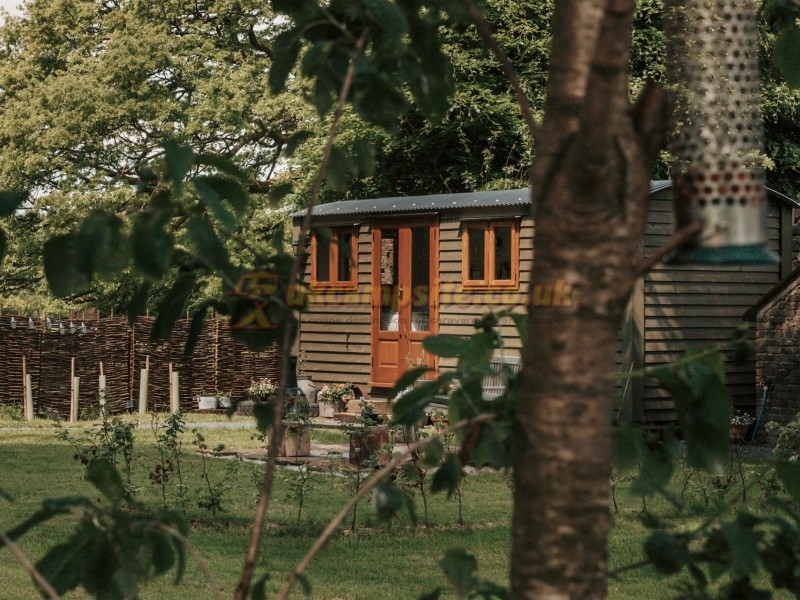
{"points": [[590, 184]]}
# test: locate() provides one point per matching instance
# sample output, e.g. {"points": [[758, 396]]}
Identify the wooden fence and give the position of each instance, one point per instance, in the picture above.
{"points": [[218, 362]]}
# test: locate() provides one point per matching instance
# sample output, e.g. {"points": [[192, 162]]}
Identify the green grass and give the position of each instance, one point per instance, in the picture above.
{"points": [[376, 561]]}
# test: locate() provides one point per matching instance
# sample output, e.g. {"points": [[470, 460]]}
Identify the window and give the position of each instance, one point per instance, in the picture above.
{"points": [[490, 254], [333, 255]]}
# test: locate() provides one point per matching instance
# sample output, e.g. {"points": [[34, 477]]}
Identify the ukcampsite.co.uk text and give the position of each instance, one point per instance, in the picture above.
{"points": [[452, 293]]}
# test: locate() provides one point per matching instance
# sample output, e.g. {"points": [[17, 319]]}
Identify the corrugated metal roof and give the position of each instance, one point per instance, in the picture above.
{"points": [[448, 202], [432, 203]]}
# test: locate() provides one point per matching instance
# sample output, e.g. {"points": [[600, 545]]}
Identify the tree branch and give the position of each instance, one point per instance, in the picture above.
{"points": [[276, 434], [679, 238], [396, 461], [29, 567]]}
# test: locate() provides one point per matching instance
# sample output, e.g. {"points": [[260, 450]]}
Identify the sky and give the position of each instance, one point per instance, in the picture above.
{"points": [[10, 6]]}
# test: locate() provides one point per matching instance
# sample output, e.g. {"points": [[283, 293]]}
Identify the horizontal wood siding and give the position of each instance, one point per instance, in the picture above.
{"points": [[698, 305], [335, 330], [458, 309]]}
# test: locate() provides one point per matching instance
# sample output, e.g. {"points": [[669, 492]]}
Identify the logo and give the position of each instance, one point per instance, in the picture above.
{"points": [[258, 286]]}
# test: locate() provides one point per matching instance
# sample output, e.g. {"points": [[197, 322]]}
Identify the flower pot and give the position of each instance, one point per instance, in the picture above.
{"points": [[738, 433], [206, 402], [327, 409], [296, 442], [223, 401], [367, 443]]}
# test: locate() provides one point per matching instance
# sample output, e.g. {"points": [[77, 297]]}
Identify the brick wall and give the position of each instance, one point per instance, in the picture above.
{"points": [[778, 356]]}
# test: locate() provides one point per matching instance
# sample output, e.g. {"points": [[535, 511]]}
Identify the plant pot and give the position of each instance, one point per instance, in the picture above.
{"points": [[327, 409], [738, 433], [367, 443], [207, 402], [296, 442], [223, 401]]}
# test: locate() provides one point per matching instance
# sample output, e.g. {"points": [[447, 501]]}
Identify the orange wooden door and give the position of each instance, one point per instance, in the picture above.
{"points": [[404, 298]]}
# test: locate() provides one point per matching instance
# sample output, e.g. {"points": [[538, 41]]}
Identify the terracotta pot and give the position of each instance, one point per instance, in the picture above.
{"points": [[738, 433]]}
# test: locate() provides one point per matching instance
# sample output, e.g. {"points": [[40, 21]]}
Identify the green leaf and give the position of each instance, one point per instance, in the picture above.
{"points": [[222, 164], [102, 475], [625, 440], [742, 550], [153, 245], [209, 249], [226, 188], [285, 50], [138, 302], [280, 191], [432, 595], [408, 379], [789, 474], [658, 459], [61, 265], [787, 51], [387, 501], [196, 328], [63, 565], [459, 567], [492, 448], [448, 476], [171, 306], [444, 345], [410, 408], [259, 590], [432, 454], [162, 551], [50, 508], [305, 583], [667, 553], [265, 416], [102, 246], [10, 202], [297, 138], [339, 168], [213, 201], [179, 159]]}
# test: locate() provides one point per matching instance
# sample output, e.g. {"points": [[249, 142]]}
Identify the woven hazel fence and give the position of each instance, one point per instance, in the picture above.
{"points": [[219, 363]]}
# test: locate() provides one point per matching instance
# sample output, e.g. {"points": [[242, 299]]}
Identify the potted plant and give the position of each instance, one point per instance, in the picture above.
{"points": [[334, 398], [367, 440], [296, 435], [740, 423]]}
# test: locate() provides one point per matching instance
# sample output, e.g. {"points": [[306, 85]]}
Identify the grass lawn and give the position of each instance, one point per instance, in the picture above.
{"points": [[376, 560]]}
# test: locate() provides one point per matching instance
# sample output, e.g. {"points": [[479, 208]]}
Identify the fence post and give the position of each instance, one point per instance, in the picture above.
{"points": [[101, 385], [28, 397], [176, 396], [76, 388], [143, 377], [73, 401]]}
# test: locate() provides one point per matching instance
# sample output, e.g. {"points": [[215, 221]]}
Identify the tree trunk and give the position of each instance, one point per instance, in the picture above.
{"points": [[590, 184]]}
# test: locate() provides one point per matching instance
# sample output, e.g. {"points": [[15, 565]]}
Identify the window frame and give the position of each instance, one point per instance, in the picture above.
{"points": [[489, 228], [334, 283]]}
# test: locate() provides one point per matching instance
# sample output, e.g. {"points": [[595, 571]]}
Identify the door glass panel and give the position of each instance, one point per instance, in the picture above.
{"points": [[323, 259], [390, 284], [345, 258], [502, 252], [420, 278], [476, 253]]}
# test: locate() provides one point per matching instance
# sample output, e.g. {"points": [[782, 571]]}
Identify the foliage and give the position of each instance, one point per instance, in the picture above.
{"points": [[261, 389], [338, 394], [170, 457], [211, 494], [198, 77], [116, 547], [113, 438]]}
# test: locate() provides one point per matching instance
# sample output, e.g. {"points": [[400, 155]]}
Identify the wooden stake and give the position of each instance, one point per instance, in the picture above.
{"points": [[24, 391], [101, 385], [143, 377], [72, 410], [176, 398], [29, 397], [76, 388]]}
